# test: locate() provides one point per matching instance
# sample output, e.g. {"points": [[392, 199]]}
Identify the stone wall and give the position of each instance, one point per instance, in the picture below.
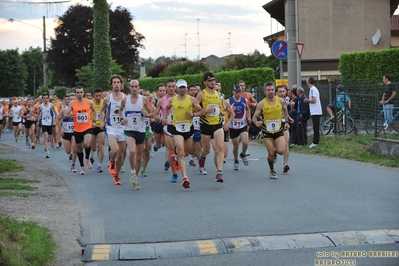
{"points": [[386, 147]]}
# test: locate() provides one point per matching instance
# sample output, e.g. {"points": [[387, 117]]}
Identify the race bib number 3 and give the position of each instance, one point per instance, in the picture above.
{"points": [[183, 126], [273, 125]]}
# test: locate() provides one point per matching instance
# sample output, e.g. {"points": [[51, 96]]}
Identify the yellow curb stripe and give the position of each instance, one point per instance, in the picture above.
{"points": [[207, 247]]}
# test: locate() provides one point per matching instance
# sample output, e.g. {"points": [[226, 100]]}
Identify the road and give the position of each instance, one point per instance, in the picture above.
{"points": [[321, 205]]}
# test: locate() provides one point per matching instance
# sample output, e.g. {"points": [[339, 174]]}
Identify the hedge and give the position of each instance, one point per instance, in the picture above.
{"points": [[369, 65], [253, 77]]}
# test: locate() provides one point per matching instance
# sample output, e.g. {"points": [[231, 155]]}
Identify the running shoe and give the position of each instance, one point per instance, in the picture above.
{"points": [[122, 168], [175, 163], [219, 177], [185, 183], [166, 166], [83, 170], [155, 148], [111, 168], [143, 173], [48, 155], [73, 169], [33, 146], [99, 169], [70, 157], [117, 181], [27, 142], [286, 168], [88, 164], [92, 160], [244, 159], [134, 182], [191, 162], [16, 140], [202, 171], [60, 144], [273, 175], [236, 165], [202, 162], [52, 145], [174, 179]]}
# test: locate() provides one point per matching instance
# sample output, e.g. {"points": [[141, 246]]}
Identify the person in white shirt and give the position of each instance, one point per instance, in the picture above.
{"points": [[315, 110]]}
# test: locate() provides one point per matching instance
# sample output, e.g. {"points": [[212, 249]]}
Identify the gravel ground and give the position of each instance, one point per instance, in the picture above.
{"points": [[51, 205]]}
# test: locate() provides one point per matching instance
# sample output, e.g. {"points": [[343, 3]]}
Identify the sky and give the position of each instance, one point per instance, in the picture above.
{"points": [[187, 28]]}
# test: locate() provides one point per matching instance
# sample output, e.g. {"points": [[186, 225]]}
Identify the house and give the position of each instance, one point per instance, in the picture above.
{"points": [[329, 28], [214, 61]]}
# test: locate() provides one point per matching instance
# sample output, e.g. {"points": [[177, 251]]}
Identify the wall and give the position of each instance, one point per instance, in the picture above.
{"points": [[385, 147]]}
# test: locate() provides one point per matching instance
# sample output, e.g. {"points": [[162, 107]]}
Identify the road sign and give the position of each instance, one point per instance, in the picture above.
{"points": [[299, 48], [280, 49]]}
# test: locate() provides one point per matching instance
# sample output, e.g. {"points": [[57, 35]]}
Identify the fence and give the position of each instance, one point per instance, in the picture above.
{"points": [[364, 96]]}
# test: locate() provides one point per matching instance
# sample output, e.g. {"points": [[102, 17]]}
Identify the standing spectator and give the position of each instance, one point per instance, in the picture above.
{"points": [[315, 110], [293, 114], [302, 118], [388, 97]]}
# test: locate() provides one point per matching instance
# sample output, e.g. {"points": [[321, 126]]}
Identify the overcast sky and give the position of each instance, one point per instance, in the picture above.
{"points": [[170, 27]]}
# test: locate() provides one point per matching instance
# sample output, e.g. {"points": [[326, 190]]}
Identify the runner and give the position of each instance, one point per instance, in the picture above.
{"points": [[270, 108], [114, 129], [66, 125], [238, 127], [98, 140], [157, 127], [211, 125], [184, 107], [161, 106], [134, 108], [82, 126], [47, 115], [15, 113], [29, 123], [148, 135], [2, 119]]}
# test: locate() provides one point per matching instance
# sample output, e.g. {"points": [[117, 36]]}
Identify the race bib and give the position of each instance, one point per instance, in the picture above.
{"points": [[196, 123], [97, 118], [169, 119], [238, 123], [183, 126], [133, 119], [273, 125], [82, 118], [216, 110], [147, 122]]}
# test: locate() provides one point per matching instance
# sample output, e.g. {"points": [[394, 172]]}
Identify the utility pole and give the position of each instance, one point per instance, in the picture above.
{"points": [[199, 53], [45, 74], [291, 37]]}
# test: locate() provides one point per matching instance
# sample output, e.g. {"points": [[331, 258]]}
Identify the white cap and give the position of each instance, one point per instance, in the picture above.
{"points": [[181, 83]]}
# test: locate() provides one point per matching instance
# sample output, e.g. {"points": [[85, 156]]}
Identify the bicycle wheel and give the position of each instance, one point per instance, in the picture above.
{"points": [[372, 123], [396, 123], [326, 126], [346, 128]]}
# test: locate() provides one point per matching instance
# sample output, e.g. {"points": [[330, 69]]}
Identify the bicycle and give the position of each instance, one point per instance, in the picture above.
{"points": [[380, 123], [345, 123]]}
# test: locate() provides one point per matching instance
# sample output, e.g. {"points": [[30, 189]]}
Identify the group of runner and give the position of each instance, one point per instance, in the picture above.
{"points": [[186, 123]]}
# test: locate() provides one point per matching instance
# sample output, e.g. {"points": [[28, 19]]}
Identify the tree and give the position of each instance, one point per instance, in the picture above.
{"points": [[13, 73], [184, 68], [73, 45], [33, 59], [157, 69], [102, 47], [85, 75]]}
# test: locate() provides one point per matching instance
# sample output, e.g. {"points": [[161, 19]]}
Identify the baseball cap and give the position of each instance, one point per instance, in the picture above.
{"points": [[237, 88], [181, 83], [208, 75]]}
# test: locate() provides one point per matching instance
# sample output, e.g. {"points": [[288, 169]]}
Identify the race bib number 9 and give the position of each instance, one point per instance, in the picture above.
{"points": [[273, 125]]}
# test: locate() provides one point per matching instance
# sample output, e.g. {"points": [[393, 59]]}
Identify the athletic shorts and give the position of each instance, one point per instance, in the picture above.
{"points": [[117, 132], [197, 136], [1, 122], [166, 132], [157, 127], [234, 133], [138, 136], [79, 136], [148, 133], [67, 136], [28, 124], [268, 135], [15, 124], [97, 131], [186, 135], [210, 129], [48, 129]]}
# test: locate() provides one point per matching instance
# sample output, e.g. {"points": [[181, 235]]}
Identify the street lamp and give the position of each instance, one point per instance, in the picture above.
{"points": [[45, 76]]}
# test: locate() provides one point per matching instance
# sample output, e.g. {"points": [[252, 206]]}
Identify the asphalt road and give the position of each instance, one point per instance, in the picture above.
{"points": [[318, 195]]}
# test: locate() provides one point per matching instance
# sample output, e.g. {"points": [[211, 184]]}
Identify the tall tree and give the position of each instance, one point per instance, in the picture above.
{"points": [[13, 73], [33, 59], [102, 47], [73, 45]]}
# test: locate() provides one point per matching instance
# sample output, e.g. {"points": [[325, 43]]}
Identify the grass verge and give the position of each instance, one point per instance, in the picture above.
{"points": [[24, 243], [356, 148], [21, 242]]}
